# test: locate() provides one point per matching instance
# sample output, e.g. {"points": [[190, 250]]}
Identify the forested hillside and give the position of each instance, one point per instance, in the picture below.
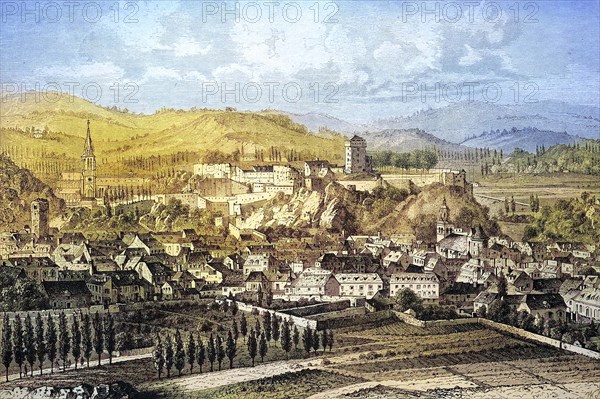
{"points": [[576, 220], [581, 157], [18, 187]]}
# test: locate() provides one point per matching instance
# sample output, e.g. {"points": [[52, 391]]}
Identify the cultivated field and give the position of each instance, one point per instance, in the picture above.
{"points": [[383, 360]]}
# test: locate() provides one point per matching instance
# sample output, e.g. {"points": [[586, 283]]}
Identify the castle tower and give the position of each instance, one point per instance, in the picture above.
{"points": [[357, 159], [443, 227], [88, 173], [39, 217]]}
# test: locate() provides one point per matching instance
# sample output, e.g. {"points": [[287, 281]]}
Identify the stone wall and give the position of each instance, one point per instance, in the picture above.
{"points": [[539, 338], [318, 308], [56, 312], [298, 321], [518, 332], [353, 320]]}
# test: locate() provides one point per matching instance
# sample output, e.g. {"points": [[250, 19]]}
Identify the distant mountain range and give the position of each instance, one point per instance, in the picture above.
{"points": [[406, 140], [315, 121], [463, 124], [121, 134], [526, 139], [460, 121]]}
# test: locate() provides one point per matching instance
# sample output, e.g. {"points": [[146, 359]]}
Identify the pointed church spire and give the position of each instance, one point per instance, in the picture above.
{"points": [[88, 149]]}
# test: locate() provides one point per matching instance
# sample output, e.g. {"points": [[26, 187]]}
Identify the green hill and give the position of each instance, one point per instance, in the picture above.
{"points": [[58, 129], [581, 157]]}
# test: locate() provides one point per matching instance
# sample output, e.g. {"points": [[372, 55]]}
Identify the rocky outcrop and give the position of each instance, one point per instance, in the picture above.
{"points": [[304, 209], [116, 390]]}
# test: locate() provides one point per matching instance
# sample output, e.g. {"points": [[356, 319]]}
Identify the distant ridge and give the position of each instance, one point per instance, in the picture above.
{"points": [[526, 139], [461, 121]]}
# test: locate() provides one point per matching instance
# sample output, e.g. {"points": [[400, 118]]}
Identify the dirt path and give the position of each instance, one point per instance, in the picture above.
{"points": [[216, 379], [93, 364], [446, 382]]}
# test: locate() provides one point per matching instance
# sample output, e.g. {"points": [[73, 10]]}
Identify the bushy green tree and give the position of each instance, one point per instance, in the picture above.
{"points": [[407, 299]]}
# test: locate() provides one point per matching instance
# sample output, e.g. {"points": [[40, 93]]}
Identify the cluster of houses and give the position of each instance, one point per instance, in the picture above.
{"points": [[554, 281]]}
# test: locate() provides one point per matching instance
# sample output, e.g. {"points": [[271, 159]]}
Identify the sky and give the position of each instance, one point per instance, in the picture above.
{"points": [[355, 60]]}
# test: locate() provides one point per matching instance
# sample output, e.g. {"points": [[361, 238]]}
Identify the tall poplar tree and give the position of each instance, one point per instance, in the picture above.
{"points": [[7, 346], [40, 343], [51, 341], [18, 348], [29, 342], [64, 343]]}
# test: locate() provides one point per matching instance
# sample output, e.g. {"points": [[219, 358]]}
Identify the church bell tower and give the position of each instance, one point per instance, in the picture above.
{"points": [[88, 181], [443, 226]]}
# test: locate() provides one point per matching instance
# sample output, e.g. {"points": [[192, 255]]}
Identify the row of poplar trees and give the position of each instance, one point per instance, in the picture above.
{"points": [[172, 353], [31, 342]]}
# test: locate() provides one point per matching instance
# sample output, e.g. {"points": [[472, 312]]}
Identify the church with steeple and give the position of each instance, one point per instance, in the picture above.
{"points": [[81, 188], [88, 172], [444, 227]]}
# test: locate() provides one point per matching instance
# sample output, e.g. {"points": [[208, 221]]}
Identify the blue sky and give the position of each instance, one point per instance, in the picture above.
{"points": [[355, 60]]}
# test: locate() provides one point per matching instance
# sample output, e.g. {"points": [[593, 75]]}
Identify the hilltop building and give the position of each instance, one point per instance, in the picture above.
{"points": [[357, 160], [457, 179]]}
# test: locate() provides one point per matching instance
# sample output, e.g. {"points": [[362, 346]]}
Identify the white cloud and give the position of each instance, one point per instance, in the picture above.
{"points": [[187, 47], [160, 73], [470, 58], [195, 76], [96, 70]]}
